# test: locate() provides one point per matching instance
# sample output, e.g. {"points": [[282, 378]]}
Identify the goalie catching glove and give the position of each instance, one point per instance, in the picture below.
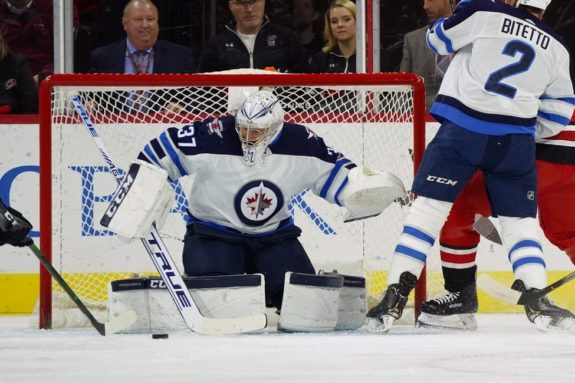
{"points": [[143, 198], [369, 192]]}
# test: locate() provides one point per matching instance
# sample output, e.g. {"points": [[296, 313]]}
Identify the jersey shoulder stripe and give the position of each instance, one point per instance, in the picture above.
{"points": [[299, 140]]}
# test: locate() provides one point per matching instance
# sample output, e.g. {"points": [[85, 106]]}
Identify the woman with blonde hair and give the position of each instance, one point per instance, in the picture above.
{"points": [[338, 55], [18, 91]]}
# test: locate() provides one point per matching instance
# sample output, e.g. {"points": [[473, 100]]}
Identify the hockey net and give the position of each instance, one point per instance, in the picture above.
{"points": [[374, 119]]}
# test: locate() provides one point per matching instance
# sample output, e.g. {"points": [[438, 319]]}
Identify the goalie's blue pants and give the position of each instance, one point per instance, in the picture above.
{"points": [[209, 251]]}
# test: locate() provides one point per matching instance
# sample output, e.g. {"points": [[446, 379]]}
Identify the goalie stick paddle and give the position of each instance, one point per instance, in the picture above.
{"points": [[121, 322], [498, 290], [166, 266]]}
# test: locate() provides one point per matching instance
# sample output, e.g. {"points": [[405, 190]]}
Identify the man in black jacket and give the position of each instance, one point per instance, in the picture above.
{"points": [[252, 41]]}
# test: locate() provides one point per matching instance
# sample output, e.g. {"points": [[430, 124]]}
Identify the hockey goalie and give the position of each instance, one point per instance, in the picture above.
{"points": [[247, 168]]}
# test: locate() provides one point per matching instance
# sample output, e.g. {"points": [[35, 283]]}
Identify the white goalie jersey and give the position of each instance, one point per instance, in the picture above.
{"points": [[229, 195], [513, 57]]}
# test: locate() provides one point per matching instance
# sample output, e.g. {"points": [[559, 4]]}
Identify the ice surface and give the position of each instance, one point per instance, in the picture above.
{"points": [[505, 348]]}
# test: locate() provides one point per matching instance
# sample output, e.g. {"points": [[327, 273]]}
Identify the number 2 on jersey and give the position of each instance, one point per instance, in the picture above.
{"points": [[495, 82]]}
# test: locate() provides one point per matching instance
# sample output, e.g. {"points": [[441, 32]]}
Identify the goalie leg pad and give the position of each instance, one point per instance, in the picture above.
{"points": [[143, 197], [352, 305], [310, 302], [369, 192], [223, 296]]}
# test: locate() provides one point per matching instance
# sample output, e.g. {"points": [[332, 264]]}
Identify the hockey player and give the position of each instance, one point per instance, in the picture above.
{"points": [[506, 60], [247, 168], [556, 182], [14, 228]]}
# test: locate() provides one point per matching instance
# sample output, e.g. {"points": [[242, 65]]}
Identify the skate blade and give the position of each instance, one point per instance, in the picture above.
{"points": [[567, 324], [379, 326], [464, 322], [545, 323]]}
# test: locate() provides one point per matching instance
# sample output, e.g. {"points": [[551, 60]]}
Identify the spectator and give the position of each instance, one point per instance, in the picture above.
{"points": [[252, 41], [417, 58], [28, 29], [338, 55], [305, 15], [141, 51], [18, 91], [89, 35]]}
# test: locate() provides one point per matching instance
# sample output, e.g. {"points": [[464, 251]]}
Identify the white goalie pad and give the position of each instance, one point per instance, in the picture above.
{"points": [[225, 296], [143, 197], [369, 192], [352, 306], [310, 302]]}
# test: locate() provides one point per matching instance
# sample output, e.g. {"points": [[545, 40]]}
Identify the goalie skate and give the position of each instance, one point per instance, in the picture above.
{"points": [[454, 310]]}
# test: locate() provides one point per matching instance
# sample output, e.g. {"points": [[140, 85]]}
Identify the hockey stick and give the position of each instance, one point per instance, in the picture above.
{"points": [[484, 227], [121, 322], [498, 290], [166, 266]]}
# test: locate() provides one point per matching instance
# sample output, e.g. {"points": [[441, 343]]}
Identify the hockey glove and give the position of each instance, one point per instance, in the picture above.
{"points": [[14, 228]]}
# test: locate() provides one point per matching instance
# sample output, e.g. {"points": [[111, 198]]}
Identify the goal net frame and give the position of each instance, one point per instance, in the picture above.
{"points": [[144, 81]]}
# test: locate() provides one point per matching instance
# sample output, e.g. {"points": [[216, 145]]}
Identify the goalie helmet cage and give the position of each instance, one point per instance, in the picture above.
{"points": [[377, 120]]}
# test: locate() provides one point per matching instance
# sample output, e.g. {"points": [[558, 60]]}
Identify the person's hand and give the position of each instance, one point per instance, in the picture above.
{"points": [[15, 229]]}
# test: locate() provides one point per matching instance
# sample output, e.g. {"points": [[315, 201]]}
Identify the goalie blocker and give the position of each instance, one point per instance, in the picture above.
{"points": [[143, 198]]}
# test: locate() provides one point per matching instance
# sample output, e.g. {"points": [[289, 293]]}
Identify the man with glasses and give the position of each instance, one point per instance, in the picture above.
{"points": [[252, 41]]}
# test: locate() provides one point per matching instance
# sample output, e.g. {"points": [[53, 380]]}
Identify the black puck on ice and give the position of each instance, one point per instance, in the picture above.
{"points": [[159, 336]]}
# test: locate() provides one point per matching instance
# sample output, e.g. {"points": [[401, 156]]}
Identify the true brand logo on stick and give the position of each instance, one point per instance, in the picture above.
{"points": [[170, 273]]}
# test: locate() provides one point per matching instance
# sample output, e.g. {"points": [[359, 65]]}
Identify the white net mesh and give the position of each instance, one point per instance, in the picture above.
{"points": [[370, 120]]}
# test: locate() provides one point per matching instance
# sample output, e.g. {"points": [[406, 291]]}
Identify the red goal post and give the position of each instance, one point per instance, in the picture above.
{"points": [[377, 120]]}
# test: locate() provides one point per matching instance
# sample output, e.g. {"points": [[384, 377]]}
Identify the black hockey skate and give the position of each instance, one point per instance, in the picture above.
{"points": [[454, 310], [381, 317], [544, 313]]}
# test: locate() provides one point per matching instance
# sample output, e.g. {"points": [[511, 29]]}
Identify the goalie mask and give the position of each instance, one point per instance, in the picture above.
{"points": [[258, 122]]}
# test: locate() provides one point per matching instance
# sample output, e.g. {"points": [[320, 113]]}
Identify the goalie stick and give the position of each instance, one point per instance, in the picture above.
{"points": [[498, 290], [119, 323], [166, 266]]}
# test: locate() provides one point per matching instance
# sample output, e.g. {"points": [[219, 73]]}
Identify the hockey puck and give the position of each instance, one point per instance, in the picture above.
{"points": [[159, 336]]}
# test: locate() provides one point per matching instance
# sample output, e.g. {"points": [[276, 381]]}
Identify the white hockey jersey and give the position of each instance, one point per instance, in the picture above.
{"points": [[229, 195], [510, 72]]}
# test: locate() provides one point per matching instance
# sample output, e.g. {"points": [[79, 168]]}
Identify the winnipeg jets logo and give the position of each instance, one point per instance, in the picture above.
{"points": [[257, 202], [310, 133], [216, 127]]}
